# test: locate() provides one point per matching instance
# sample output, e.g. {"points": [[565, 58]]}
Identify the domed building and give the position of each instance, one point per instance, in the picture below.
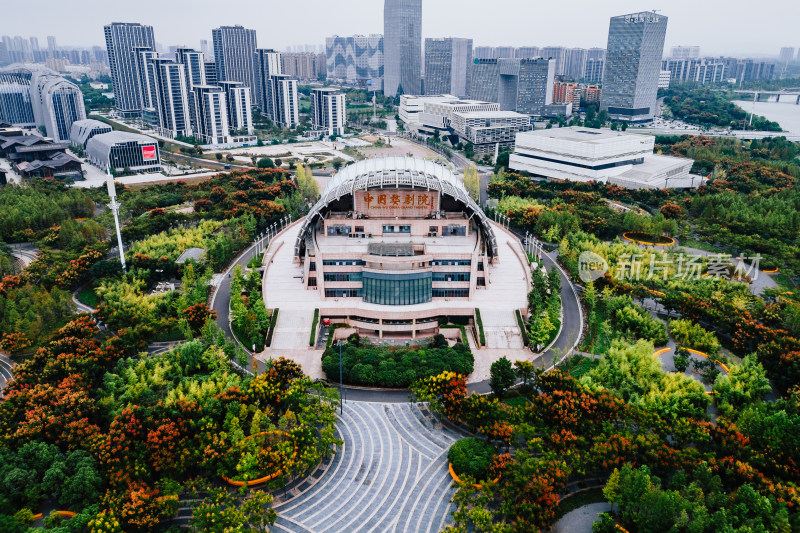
{"points": [[393, 247]]}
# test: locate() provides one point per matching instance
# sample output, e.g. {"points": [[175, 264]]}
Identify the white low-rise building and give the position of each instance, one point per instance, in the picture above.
{"points": [[121, 151], [584, 154]]}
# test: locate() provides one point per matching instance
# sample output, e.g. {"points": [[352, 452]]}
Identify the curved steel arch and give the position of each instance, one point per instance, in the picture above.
{"points": [[395, 172]]}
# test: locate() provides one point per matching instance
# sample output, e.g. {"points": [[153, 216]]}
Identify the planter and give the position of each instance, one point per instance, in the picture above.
{"points": [[722, 365], [261, 480], [645, 238], [458, 480]]}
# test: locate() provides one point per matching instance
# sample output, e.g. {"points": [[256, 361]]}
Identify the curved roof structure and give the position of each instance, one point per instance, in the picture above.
{"points": [[396, 172]]}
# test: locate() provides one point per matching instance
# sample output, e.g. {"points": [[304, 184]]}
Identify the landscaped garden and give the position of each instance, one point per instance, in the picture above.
{"points": [[374, 365]]}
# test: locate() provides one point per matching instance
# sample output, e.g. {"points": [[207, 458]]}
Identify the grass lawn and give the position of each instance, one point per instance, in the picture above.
{"points": [[88, 297], [700, 245]]}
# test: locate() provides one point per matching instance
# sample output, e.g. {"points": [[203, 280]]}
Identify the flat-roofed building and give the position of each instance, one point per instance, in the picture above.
{"points": [[328, 110], [121, 150], [583, 154], [487, 130]]}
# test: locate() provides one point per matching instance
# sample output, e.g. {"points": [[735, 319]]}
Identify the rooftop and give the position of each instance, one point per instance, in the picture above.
{"points": [[115, 137], [581, 135], [491, 114]]}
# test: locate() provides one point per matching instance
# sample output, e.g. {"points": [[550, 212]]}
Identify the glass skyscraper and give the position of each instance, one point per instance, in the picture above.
{"points": [[402, 44], [632, 66], [448, 64]]}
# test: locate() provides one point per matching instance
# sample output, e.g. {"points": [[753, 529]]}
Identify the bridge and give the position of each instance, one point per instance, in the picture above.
{"points": [[791, 95]]}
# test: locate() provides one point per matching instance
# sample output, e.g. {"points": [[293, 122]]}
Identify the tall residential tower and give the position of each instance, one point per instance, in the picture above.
{"points": [[234, 53], [122, 40]]}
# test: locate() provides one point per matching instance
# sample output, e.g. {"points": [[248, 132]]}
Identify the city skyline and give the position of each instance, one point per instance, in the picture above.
{"points": [[733, 35]]}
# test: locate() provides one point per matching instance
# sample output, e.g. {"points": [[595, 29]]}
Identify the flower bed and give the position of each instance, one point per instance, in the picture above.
{"points": [[268, 454], [646, 238]]}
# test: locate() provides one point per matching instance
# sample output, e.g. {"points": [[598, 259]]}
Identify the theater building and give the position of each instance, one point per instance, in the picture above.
{"points": [[394, 247]]}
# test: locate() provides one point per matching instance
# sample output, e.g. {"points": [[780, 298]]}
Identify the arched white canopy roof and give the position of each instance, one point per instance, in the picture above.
{"points": [[396, 172]]}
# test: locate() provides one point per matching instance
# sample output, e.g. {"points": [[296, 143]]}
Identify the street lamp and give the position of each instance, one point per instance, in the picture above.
{"points": [[341, 391], [114, 205]]}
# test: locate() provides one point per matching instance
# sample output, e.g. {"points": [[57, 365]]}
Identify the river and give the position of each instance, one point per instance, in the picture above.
{"points": [[785, 114]]}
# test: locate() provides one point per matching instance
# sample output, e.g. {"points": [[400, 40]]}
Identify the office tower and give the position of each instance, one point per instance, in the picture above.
{"points": [[57, 103], [234, 52], [525, 85], [328, 110], [633, 64], [684, 52], [51, 44], [448, 63], [558, 55], [786, 54], [170, 97], [284, 100], [122, 39], [211, 71], [527, 52], [485, 77], [194, 62], [267, 64], [15, 99], [356, 60], [402, 45], [211, 114], [205, 48], [240, 111], [593, 73]]}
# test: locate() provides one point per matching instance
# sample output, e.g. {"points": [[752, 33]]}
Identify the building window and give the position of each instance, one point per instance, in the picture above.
{"points": [[405, 229], [342, 276], [397, 289], [433, 229], [312, 266], [481, 282], [451, 276], [451, 262], [359, 229], [388, 229], [450, 293], [458, 231], [343, 293], [312, 282], [338, 230]]}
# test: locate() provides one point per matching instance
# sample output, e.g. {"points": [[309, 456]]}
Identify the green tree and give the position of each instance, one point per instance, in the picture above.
{"points": [[472, 182], [265, 162], [501, 376]]}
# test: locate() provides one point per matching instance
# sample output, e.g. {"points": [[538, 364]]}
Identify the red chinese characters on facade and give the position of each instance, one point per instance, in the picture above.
{"points": [[399, 202]]}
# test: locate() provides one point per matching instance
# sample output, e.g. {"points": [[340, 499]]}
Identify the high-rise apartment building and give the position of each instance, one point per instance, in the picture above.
{"points": [[402, 34], [169, 93], [211, 114], [593, 73], [633, 63], [521, 85], [448, 63], [210, 66], [558, 54], [701, 70], [575, 63], [267, 64], [304, 65], [234, 53], [240, 111], [194, 63], [356, 60], [143, 56], [328, 110], [205, 48], [527, 52], [57, 103], [51, 44], [122, 40], [285, 102], [684, 52], [786, 54]]}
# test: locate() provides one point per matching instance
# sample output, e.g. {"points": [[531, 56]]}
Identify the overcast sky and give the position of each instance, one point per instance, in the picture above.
{"points": [[718, 27]]}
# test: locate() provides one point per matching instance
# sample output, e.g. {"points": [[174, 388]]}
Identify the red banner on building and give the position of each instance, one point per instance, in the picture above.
{"points": [[148, 152]]}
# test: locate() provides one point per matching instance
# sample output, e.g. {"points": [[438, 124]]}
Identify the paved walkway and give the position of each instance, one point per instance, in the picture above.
{"points": [[6, 372], [390, 475], [581, 519]]}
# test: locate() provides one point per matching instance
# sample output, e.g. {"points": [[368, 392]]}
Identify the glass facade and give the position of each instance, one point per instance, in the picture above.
{"points": [[397, 289]]}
